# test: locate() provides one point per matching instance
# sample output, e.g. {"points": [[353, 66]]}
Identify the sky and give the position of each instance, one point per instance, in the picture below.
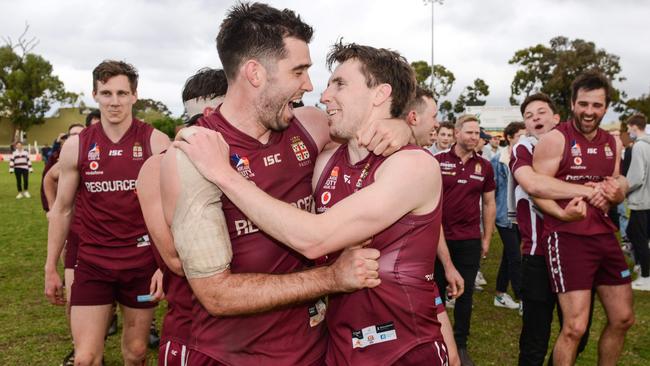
{"points": [[168, 41]]}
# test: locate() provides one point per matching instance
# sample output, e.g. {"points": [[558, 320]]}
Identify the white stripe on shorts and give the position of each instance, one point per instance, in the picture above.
{"points": [[167, 351], [184, 356], [559, 265]]}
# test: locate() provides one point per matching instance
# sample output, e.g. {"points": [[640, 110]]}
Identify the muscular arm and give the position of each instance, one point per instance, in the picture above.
{"points": [[60, 216], [148, 186], [225, 293], [544, 186], [350, 221], [159, 142], [50, 182]]}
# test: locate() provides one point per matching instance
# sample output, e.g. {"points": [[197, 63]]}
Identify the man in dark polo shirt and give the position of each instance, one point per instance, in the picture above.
{"points": [[466, 178]]}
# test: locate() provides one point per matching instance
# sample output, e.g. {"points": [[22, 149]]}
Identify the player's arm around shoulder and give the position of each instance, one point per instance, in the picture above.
{"points": [[409, 181]]}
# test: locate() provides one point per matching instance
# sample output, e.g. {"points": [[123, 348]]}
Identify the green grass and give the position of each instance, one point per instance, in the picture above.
{"points": [[35, 333]]}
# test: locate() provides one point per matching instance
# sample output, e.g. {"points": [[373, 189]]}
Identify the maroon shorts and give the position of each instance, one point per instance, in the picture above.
{"points": [[437, 300], [433, 353], [172, 353], [100, 286], [71, 247], [578, 262], [198, 358]]}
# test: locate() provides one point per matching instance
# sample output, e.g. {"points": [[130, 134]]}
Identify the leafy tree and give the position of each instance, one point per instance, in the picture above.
{"points": [[443, 79], [28, 89], [552, 69], [637, 105], [472, 95], [150, 110], [167, 125]]}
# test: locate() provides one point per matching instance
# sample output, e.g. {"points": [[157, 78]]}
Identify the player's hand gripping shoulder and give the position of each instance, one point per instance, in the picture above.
{"points": [[384, 136], [356, 268], [207, 150]]}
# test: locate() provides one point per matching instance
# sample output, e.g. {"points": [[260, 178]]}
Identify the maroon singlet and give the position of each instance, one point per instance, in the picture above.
{"points": [[283, 168], [529, 219], [377, 326], [113, 233], [584, 161]]}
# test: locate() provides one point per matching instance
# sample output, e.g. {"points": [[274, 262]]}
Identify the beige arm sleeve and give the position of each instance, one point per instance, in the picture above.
{"points": [[199, 225]]}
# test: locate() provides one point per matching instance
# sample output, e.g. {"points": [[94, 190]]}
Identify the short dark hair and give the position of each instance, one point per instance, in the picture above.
{"points": [[538, 97], [111, 68], [74, 125], [379, 65], [418, 102], [448, 125], [638, 119], [511, 129], [207, 83], [93, 114], [592, 80], [257, 31]]}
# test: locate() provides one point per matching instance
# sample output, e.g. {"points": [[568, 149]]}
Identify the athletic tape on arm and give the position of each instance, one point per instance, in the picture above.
{"points": [[199, 225]]}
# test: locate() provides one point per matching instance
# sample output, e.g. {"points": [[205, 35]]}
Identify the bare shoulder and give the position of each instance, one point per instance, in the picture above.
{"points": [[315, 122], [416, 163], [69, 153], [159, 142]]}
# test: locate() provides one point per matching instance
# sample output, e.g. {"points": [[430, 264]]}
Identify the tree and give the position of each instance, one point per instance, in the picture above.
{"points": [[167, 125], [443, 78], [637, 105], [552, 69], [472, 96], [28, 89], [150, 110]]}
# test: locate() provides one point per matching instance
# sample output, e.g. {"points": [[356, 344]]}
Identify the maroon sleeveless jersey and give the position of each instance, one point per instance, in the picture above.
{"points": [[282, 168], [377, 326], [584, 161], [113, 233]]}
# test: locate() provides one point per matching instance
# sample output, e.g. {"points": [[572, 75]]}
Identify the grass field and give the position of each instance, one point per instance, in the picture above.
{"points": [[35, 333]]}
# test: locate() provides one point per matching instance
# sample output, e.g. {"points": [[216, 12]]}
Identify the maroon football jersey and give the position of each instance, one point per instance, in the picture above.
{"points": [[178, 318], [463, 185], [283, 168], [584, 161], [113, 233], [377, 326], [529, 219]]}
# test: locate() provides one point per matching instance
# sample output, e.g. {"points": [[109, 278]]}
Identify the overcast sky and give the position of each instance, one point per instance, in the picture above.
{"points": [[169, 40]]}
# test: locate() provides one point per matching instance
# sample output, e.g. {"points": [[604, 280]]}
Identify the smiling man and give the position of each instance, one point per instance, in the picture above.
{"points": [[360, 195], [585, 254], [257, 301], [115, 261]]}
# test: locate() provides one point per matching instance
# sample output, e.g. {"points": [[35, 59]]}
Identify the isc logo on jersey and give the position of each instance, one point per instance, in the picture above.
{"points": [[272, 159], [115, 153]]}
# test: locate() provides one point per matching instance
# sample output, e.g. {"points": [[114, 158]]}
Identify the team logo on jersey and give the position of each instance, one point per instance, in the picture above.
{"points": [[94, 165], [331, 181], [478, 168], [325, 198], [608, 151], [93, 152], [575, 148], [299, 148], [242, 165], [137, 151], [577, 160]]}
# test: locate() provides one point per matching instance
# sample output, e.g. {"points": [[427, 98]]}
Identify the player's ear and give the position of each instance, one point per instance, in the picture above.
{"points": [[382, 94], [412, 118], [207, 111], [254, 72]]}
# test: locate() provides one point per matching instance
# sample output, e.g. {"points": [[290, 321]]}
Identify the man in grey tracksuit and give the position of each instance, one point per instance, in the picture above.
{"points": [[638, 230]]}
